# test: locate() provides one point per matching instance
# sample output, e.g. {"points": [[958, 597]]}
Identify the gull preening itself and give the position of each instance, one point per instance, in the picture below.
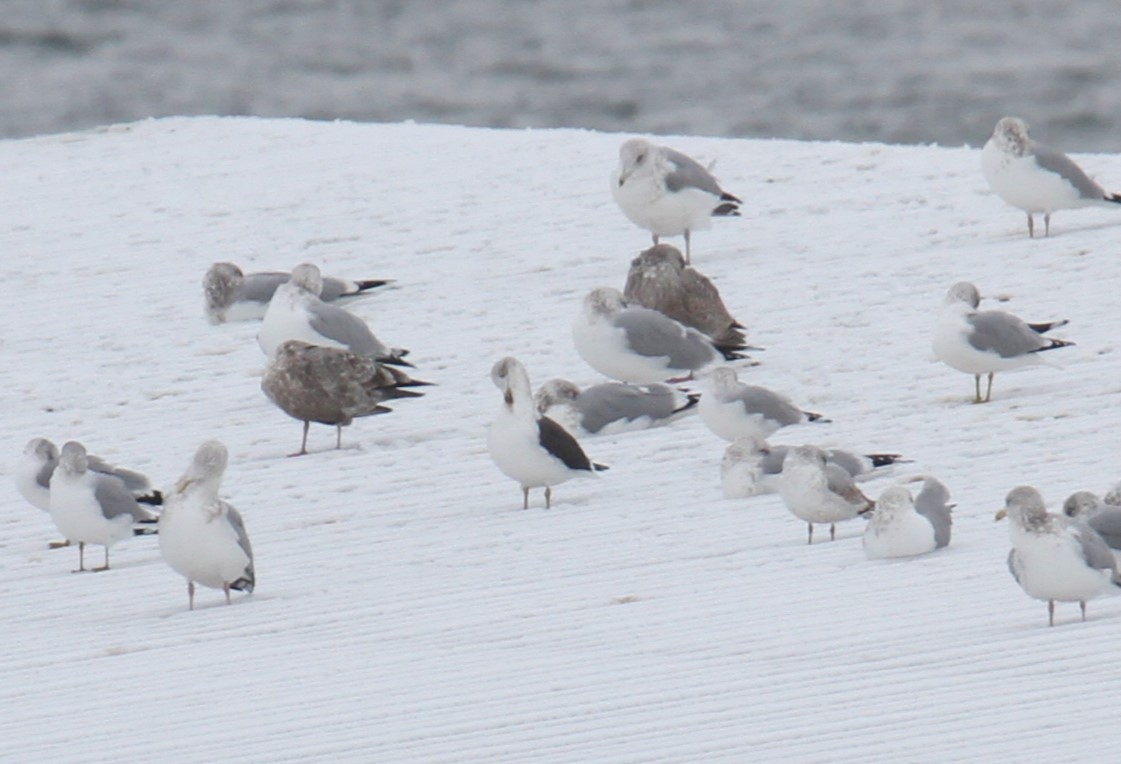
{"points": [[202, 537], [233, 295], [660, 280], [331, 386], [733, 410], [980, 342], [1103, 516], [610, 406], [1036, 178], [640, 345], [819, 492], [530, 448], [667, 192], [296, 313], [902, 526], [1053, 558], [93, 508]]}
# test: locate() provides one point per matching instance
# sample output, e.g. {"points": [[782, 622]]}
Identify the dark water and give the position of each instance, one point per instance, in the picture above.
{"points": [[903, 71]]}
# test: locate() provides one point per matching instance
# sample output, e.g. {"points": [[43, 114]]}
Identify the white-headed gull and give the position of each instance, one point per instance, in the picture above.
{"points": [[819, 492], [902, 526], [610, 406], [732, 409]]}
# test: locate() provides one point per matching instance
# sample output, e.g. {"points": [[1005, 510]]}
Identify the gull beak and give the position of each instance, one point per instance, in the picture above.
{"points": [[508, 396], [1001, 515], [183, 485]]}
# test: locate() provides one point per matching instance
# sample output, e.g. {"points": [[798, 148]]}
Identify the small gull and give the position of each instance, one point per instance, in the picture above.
{"points": [[1053, 558], [530, 448], [639, 345], [819, 492], [734, 410], [331, 386], [1035, 178], [610, 406], [202, 537], [904, 527], [232, 295], [982, 342], [93, 508], [660, 280], [1103, 517], [296, 313], [667, 192]]}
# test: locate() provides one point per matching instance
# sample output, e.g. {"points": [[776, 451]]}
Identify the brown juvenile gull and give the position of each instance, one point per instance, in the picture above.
{"points": [[331, 386], [233, 295], [660, 280]]}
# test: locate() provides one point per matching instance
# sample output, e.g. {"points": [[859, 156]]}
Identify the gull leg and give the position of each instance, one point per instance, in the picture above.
{"points": [[989, 391], [1082, 604], [303, 443], [687, 254], [106, 566], [1050, 612], [654, 236], [548, 497], [810, 533], [1046, 224], [1031, 227], [191, 594], [525, 497], [832, 531], [226, 589], [977, 385], [81, 558], [338, 436]]}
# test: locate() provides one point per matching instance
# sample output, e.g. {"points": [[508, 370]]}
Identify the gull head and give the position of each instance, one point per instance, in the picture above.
{"points": [[723, 380], [965, 292], [1011, 136], [895, 500], [745, 448], [604, 301], [207, 465], [660, 256], [220, 284], [555, 391], [1082, 505], [634, 154], [1024, 508], [306, 276], [72, 459], [801, 456], [41, 450], [508, 375]]}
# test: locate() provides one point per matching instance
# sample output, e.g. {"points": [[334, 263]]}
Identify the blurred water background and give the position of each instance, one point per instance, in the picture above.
{"points": [[901, 71]]}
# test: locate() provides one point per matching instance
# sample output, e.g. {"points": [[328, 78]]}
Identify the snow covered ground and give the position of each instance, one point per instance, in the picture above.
{"points": [[407, 608]]}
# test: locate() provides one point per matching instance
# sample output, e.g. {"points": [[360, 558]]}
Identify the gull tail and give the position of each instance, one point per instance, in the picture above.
{"points": [[1115, 198], [368, 284], [1046, 326], [396, 358], [245, 583], [729, 206], [154, 499], [1053, 344], [597, 467], [811, 416], [691, 400], [883, 460]]}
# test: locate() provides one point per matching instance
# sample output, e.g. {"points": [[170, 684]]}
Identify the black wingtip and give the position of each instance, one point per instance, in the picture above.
{"points": [[882, 460], [368, 284], [596, 466], [394, 360], [727, 210], [146, 528], [691, 400], [154, 499], [814, 417], [244, 584], [1044, 327], [1053, 344], [1115, 198]]}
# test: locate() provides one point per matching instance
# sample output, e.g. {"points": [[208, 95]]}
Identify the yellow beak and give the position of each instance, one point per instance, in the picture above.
{"points": [[1001, 515]]}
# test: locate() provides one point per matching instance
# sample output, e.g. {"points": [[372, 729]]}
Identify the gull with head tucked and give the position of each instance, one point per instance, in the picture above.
{"points": [[906, 527]]}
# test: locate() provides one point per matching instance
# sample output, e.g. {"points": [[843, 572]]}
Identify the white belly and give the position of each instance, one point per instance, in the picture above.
{"points": [[907, 535], [78, 516], [604, 348], [204, 552], [513, 443], [731, 421], [1022, 183]]}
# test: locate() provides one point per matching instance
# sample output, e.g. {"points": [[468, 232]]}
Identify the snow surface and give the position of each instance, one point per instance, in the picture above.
{"points": [[407, 609]]}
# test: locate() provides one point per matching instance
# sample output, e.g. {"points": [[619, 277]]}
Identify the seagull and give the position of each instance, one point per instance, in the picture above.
{"points": [[528, 447], [93, 508], [660, 280], [1103, 517], [639, 345], [296, 313], [667, 192], [734, 410], [752, 466], [232, 295], [202, 537], [981, 342], [906, 527], [1036, 178], [331, 386], [612, 405], [1053, 558], [819, 492]]}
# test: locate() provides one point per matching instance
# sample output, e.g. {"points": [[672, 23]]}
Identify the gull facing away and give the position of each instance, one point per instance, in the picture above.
{"points": [[981, 342], [819, 492], [906, 527], [93, 508], [639, 345], [660, 280], [530, 448], [1053, 558], [331, 386], [202, 537], [233, 295], [296, 313], [610, 406], [667, 192], [734, 410], [1102, 516], [1036, 178]]}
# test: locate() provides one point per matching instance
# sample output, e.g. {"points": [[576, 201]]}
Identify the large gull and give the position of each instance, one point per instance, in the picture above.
{"points": [[296, 313], [93, 508], [980, 342], [331, 386], [1053, 558], [639, 345], [819, 492], [202, 537], [610, 406], [660, 280], [667, 192], [1035, 178], [732, 409], [233, 295], [902, 526], [530, 448], [1103, 516]]}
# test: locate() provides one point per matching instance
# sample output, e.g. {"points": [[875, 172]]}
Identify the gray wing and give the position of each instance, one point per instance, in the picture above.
{"points": [[933, 504], [686, 172], [334, 288], [1107, 523], [1004, 334], [772, 460], [600, 405], [249, 580], [345, 328], [259, 287], [43, 476], [760, 400], [650, 333], [134, 481], [840, 482], [1095, 550], [1060, 163], [115, 499], [1014, 564], [851, 463]]}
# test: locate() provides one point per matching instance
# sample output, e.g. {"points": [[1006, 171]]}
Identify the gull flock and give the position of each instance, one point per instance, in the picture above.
{"points": [[665, 334]]}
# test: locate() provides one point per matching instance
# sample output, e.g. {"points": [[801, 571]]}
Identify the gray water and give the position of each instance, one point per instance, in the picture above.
{"points": [[901, 71]]}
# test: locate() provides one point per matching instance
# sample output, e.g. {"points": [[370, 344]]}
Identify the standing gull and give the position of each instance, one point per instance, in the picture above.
{"points": [[232, 295], [1035, 178], [93, 508], [1103, 517], [331, 386], [611, 405], [639, 345], [530, 448], [202, 537], [660, 280], [1053, 558], [667, 192], [734, 410], [905, 527], [296, 313], [819, 492], [981, 342]]}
